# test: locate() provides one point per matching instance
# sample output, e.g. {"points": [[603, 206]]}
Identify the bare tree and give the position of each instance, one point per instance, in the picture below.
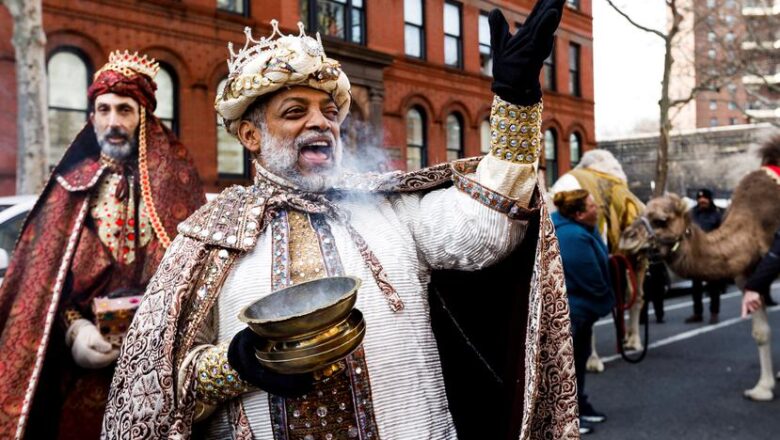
{"points": [[29, 42], [678, 11]]}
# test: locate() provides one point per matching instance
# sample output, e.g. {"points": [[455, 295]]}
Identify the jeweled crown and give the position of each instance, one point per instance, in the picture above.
{"points": [[130, 64], [253, 47]]}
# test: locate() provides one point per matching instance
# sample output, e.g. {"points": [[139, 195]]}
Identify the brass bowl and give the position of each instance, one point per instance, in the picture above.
{"points": [[315, 353], [302, 310]]}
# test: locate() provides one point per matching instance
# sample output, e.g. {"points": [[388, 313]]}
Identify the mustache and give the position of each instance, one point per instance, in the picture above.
{"points": [[117, 132], [308, 137]]}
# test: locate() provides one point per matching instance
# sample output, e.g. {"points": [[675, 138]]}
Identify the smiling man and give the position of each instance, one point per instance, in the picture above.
{"points": [[99, 229], [192, 368]]}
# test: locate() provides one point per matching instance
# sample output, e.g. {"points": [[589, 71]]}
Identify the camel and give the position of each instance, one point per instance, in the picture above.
{"points": [[600, 173], [732, 250]]}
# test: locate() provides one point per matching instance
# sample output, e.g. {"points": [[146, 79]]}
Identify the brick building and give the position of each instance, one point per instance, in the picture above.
{"points": [[420, 94]]}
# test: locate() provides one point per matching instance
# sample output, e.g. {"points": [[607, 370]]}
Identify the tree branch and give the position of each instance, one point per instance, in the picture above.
{"points": [[634, 23]]}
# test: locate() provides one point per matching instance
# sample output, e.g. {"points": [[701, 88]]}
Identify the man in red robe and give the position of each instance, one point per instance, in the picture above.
{"points": [[99, 228]]}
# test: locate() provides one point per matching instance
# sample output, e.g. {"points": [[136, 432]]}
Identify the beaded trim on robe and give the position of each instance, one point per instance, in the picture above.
{"points": [[115, 217], [339, 407]]}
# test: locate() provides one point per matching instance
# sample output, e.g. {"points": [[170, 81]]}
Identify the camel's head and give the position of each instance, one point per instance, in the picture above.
{"points": [[636, 238], [667, 217]]}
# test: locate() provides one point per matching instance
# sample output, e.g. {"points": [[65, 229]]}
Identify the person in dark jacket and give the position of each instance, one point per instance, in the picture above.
{"points": [[586, 269], [759, 283], [708, 217]]}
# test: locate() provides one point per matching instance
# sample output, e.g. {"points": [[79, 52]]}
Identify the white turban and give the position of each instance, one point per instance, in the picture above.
{"points": [[265, 66]]}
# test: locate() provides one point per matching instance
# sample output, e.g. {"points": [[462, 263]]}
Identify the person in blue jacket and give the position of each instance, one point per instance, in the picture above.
{"points": [[586, 269]]}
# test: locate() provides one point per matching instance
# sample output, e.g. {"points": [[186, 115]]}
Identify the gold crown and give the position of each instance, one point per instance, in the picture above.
{"points": [[130, 64], [254, 47]]}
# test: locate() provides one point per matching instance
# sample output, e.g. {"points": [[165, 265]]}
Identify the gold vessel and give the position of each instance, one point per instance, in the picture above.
{"points": [[308, 327]]}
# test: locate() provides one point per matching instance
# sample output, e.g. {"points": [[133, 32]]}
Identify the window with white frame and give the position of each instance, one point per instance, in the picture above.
{"points": [[453, 41], [232, 157], [454, 137], [549, 71], [416, 150], [485, 59], [68, 78], [551, 156], [484, 137], [234, 6], [414, 28], [575, 149], [165, 95], [574, 69], [342, 19]]}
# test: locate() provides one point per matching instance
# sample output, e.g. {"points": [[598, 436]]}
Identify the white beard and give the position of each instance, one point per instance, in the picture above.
{"points": [[119, 152], [280, 157]]}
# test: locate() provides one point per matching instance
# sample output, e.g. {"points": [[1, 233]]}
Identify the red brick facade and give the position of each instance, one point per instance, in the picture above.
{"points": [[190, 36]]}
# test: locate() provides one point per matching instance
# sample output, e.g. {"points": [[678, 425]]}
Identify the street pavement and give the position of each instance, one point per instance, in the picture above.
{"points": [[689, 386]]}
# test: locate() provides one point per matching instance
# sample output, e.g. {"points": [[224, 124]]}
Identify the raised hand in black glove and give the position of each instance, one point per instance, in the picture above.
{"points": [[518, 58], [241, 356]]}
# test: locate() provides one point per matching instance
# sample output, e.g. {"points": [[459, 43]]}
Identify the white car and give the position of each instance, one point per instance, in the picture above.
{"points": [[13, 211]]}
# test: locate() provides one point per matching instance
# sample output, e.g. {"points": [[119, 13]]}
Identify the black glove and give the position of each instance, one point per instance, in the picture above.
{"points": [[518, 58], [241, 356]]}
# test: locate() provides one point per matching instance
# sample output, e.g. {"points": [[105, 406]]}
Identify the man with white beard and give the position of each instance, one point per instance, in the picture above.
{"points": [[192, 370], [98, 230]]}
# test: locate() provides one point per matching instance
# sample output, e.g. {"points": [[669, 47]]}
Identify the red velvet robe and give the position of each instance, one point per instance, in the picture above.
{"points": [[41, 390]]}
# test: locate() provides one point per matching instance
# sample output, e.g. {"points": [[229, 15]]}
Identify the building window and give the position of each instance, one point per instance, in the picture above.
{"points": [[414, 28], [551, 156], [234, 6], [232, 157], [732, 88], [575, 148], [549, 71], [574, 4], [166, 94], [711, 54], [711, 36], [732, 121], [342, 19], [484, 137], [574, 69], [713, 122], [416, 150], [68, 79], [732, 105], [713, 104], [485, 60], [453, 44], [454, 137]]}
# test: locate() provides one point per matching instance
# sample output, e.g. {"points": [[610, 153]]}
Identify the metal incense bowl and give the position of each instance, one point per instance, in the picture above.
{"points": [[307, 327]]}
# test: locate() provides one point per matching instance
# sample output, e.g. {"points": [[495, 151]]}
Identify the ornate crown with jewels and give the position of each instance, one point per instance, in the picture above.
{"points": [[130, 64], [266, 65]]}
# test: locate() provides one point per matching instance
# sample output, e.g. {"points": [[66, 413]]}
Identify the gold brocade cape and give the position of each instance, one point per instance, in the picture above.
{"points": [[618, 206], [533, 397]]}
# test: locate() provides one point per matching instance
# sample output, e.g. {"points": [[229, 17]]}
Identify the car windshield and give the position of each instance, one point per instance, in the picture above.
{"points": [[9, 231]]}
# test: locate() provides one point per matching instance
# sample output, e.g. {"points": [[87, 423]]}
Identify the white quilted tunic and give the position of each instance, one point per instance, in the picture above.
{"points": [[411, 235]]}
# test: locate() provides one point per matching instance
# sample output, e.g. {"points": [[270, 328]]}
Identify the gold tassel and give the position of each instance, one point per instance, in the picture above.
{"points": [[146, 186]]}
